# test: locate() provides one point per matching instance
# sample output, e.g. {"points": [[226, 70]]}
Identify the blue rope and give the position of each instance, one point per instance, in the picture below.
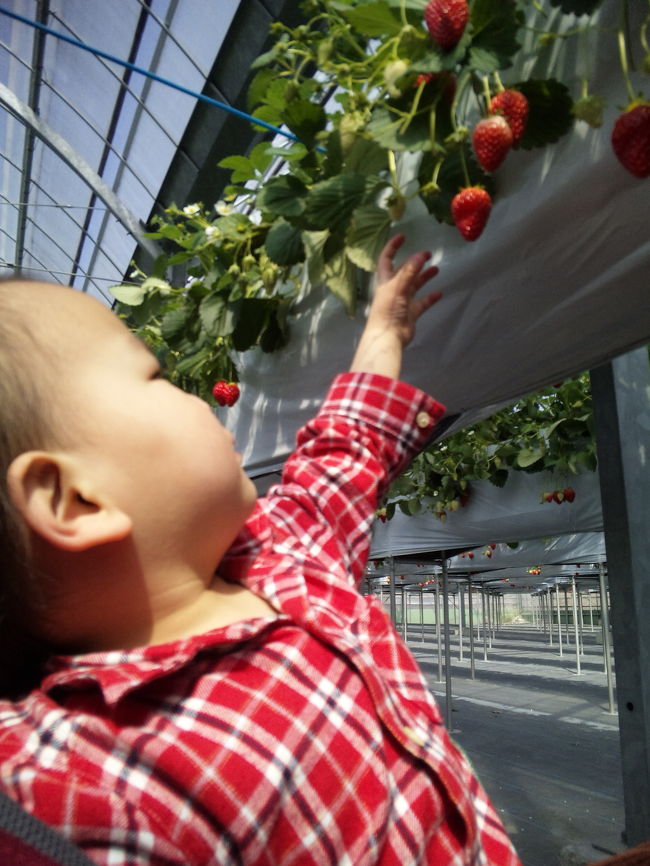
{"points": [[152, 75]]}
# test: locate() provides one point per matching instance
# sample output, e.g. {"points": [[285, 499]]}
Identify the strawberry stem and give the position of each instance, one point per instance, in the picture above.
{"points": [[486, 92], [622, 52]]}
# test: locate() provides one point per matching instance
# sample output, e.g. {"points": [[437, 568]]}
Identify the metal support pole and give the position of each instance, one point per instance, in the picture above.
{"points": [[575, 625], [488, 605], [391, 592], [621, 403], [461, 621], [485, 649], [422, 614], [438, 633], [581, 622], [404, 615], [445, 609], [559, 625], [470, 608], [604, 623], [566, 615]]}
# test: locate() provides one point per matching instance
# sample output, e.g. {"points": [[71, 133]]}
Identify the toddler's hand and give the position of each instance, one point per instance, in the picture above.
{"points": [[394, 310], [394, 305]]}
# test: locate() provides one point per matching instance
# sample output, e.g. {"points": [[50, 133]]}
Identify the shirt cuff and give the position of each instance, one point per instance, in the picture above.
{"points": [[401, 410]]}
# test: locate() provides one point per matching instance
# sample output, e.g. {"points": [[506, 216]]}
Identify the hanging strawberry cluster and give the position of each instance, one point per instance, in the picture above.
{"points": [[363, 85]]}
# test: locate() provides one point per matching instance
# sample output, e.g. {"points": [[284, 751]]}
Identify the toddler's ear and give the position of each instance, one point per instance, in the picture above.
{"points": [[60, 505]]}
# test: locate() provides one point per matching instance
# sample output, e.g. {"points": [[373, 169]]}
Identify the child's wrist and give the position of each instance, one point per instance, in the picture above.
{"points": [[379, 351]]}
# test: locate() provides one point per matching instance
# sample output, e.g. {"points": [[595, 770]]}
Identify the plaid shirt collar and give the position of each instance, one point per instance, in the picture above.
{"points": [[119, 673]]}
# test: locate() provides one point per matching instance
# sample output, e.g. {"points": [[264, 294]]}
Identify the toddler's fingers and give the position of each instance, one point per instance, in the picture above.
{"points": [[425, 303], [425, 276], [385, 268]]}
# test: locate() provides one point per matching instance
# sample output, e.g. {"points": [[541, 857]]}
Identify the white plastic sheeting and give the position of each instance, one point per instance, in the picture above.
{"points": [[493, 514]]}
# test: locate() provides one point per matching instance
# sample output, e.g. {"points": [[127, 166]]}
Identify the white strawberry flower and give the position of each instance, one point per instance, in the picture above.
{"points": [[222, 208], [212, 233], [191, 209]]}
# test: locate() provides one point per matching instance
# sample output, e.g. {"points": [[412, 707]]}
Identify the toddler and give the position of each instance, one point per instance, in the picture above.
{"points": [[191, 676]]}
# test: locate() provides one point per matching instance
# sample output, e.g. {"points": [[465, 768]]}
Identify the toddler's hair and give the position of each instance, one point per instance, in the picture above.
{"points": [[25, 416]]}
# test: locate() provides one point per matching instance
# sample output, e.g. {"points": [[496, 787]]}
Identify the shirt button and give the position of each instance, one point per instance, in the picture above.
{"points": [[423, 419], [414, 737]]}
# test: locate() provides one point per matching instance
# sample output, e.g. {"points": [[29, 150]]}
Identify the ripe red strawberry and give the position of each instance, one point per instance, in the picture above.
{"points": [[513, 105], [226, 393], [569, 494], [446, 21], [558, 496], [491, 140], [470, 209], [631, 139]]}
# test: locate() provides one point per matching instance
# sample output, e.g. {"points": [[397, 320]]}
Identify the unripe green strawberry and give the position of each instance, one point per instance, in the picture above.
{"points": [[392, 73], [470, 210], [491, 140], [446, 21], [631, 139], [590, 109], [396, 205], [513, 105]]}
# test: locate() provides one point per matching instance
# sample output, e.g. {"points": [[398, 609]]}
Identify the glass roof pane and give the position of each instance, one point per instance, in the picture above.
{"points": [[117, 125]]}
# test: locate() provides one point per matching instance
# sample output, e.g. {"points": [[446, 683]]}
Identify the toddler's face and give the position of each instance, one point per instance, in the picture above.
{"points": [[161, 454]]}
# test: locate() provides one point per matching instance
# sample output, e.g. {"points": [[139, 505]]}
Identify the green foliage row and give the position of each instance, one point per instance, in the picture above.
{"points": [[551, 431]]}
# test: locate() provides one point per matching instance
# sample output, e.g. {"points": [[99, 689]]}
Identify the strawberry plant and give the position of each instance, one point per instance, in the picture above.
{"points": [[551, 431]]}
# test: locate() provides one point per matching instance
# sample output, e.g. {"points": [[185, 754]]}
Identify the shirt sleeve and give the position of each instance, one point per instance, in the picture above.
{"points": [[368, 429]]}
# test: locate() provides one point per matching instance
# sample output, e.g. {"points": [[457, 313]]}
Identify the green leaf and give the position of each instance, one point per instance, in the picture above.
{"points": [[373, 18], [173, 324], [217, 315], [340, 277], [132, 296], [283, 244], [275, 336], [292, 153], [259, 86], [527, 457], [314, 244], [499, 477], [330, 203], [253, 318], [242, 168], [494, 25], [283, 196], [577, 7], [367, 235], [390, 131], [190, 365], [550, 112], [269, 114], [304, 119], [259, 156], [365, 157]]}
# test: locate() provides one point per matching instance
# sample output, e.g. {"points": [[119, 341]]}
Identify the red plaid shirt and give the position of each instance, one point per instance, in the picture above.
{"points": [[306, 738]]}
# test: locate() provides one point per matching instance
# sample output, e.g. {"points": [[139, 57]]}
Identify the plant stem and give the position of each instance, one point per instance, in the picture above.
{"points": [[622, 52]]}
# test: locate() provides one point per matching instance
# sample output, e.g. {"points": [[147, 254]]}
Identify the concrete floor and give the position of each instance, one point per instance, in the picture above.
{"points": [[541, 739]]}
